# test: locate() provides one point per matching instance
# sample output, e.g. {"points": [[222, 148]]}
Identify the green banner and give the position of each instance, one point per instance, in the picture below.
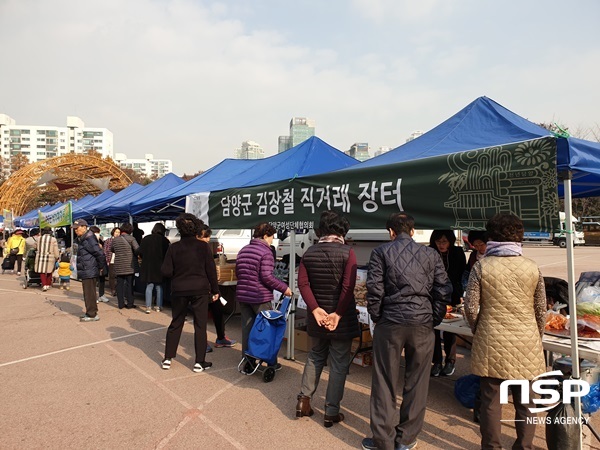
{"points": [[58, 217], [460, 190]]}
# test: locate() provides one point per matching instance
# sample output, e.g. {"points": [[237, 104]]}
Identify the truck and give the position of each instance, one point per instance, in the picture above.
{"points": [[591, 229], [558, 237], [364, 241]]}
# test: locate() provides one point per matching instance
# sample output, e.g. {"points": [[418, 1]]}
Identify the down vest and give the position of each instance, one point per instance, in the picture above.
{"points": [[254, 271], [325, 264], [90, 258], [507, 331], [407, 283]]}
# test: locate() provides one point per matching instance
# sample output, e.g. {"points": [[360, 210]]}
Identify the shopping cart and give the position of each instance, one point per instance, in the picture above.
{"points": [[31, 276], [265, 340]]}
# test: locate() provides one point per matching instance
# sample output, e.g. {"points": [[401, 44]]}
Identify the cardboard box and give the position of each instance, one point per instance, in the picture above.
{"points": [[366, 335], [301, 340], [356, 346], [226, 272], [363, 359]]}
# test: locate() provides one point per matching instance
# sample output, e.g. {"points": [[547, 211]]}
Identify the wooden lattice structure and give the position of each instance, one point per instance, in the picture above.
{"points": [[73, 176]]}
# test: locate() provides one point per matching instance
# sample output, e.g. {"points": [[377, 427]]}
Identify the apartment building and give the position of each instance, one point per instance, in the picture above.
{"points": [[148, 166], [249, 150], [39, 142]]}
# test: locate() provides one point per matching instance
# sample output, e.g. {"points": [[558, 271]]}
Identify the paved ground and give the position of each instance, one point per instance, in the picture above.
{"points": [[66, 384]]}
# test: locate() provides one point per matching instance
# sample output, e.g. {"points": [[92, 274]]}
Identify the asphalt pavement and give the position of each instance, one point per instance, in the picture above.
{"points": [[67, 384]]}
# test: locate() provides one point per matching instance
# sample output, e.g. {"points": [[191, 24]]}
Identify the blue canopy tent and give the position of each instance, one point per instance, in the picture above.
{"points": [[485, 123], [30, 219], [119, 211], [91, 212], [81, 208], [311, 157]]}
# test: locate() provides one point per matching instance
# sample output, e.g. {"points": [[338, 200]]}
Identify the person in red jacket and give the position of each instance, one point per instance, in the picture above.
{"points": [[255, 280], [326, 280]]}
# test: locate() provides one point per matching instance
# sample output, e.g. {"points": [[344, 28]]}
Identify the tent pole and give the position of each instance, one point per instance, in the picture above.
{"points": [[292, 282], [572, 297]]}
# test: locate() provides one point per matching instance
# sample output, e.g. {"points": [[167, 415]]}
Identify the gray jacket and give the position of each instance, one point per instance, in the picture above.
{"points": [[407, 283], [125, 248]]}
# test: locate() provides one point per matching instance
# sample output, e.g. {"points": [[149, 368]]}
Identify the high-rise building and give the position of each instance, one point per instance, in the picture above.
{"points": [[148, 167], [414, 135], [250, 150], [360, 151], [301, 129], [382, 150], [284, 143], [39, 142]]}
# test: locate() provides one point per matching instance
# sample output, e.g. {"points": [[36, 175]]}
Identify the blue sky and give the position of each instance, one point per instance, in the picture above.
{"points": [[189, 80]]}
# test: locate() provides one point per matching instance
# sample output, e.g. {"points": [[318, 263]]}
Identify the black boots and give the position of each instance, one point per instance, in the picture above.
{"points": [[328, 421], [303, 406]]}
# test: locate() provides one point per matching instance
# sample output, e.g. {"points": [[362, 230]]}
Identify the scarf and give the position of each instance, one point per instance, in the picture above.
{"points": [[503, 249], [332, 238]]}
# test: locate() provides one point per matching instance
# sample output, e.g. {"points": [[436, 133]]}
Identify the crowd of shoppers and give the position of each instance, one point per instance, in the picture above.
{"points": [[409, 287]]}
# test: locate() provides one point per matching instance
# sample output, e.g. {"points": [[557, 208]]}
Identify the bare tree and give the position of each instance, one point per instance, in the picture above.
{"points": [[187, 177], [18, 161]]}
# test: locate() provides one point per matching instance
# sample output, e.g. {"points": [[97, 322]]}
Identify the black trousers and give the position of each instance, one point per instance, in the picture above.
{"points": [[491, 414], [216, 309], [125, 290], [179, 305], [101, 284], [389, 340], [18, 259], [89, 296], [449, 341]]}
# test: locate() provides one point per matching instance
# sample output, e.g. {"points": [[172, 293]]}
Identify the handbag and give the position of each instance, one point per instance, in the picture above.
{"points": [[14, 251]]}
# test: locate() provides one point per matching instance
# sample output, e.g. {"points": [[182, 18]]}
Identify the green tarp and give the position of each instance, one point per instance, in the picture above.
{"points": [[460, 190]]}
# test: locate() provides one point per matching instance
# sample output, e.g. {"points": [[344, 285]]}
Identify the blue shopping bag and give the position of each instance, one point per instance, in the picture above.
{"points": [[267, 333]]}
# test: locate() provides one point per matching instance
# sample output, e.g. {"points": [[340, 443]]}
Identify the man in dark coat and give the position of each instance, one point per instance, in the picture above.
{"points": [[153, 250], [90, 265], [407, 293]]}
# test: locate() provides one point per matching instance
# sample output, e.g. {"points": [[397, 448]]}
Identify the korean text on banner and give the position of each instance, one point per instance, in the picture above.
{"points": [[58, 217]]}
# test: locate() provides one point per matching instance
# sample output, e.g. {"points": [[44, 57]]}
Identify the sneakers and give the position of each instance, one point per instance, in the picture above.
{"points": [[148, 310], [166, 364], [45, 288], [18, 274], [61, 287], [436, 369], [67, 287], [87, 318], [369, 444], [277, 367], [208, 348], [157, 309], [448, 369], [407, 446], [202, 366], [103, 299], [225, 342]]}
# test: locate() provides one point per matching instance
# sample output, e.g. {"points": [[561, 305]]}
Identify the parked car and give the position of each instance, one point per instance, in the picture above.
{"points": [[230, 242]]}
